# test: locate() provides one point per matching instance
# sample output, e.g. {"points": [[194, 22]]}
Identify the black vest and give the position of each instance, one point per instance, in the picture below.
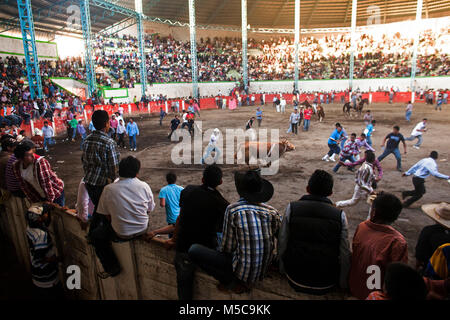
{"points": [[312, 254]]}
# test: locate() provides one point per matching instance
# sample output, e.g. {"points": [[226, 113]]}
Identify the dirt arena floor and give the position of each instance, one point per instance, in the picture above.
{"points": [[154, 150]]}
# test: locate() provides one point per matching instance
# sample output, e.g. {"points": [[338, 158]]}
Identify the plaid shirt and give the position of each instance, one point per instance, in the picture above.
{"points": [[100, 159], [48, 180], [249, 233], [350, 148]]}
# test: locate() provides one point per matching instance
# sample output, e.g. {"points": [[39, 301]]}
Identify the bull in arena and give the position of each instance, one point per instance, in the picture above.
{"points": [[263, 149]]}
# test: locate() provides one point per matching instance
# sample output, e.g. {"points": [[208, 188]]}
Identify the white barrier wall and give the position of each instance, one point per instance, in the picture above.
{"points": [[14, 46], [179, 90], [75, 87]]}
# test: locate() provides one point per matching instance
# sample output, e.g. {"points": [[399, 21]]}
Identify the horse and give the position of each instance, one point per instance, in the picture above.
{"points": [[347, 108]]}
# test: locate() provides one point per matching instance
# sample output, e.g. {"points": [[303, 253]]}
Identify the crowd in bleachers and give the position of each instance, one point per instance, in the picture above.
{"points": [[219, 59]]}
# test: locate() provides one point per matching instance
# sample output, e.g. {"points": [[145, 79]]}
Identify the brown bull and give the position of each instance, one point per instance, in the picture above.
{"points": [[267, 149]]}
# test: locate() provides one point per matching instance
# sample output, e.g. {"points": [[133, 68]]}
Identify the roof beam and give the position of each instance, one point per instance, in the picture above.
{"points": [[217, 11], [346, 11], [280, 11], [312, 13]]}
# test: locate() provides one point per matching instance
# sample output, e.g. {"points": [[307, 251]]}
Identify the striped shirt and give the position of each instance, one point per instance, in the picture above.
{"points": [[249, 233], [364, 177], [100, 159], [350, 148], [12, 183], [43, 273]]}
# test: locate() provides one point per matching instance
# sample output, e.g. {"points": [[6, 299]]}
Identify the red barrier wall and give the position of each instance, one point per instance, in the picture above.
{"points": [[208, 103]]}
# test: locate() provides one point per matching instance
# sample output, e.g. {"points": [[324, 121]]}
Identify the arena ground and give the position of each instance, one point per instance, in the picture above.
{"points": [[154, 151]]}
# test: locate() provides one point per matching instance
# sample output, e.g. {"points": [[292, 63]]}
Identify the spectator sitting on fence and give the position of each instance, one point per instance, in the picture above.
{"points": [[127, 202], [433, 236], [44, 263], [169, 198], [376, 243], [313, 243], [202, 209], [248, 245], [35, 175]]}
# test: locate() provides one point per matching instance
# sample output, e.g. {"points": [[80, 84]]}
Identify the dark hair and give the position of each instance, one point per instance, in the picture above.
{"points": [[370, 156], [374, 121], [397, 128], [8, 142], [24, 146], [129, 167], [424, 119], [171, 178], [212, 176], [353, 134], [320, 183], [363, 135], [337, 124], [100, 119], [45, 122], [402, 282], [434, 155], [387, 207]]}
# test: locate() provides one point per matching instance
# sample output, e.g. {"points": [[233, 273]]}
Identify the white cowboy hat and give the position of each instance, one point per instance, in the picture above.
{"points": [[216, 131], [37, 132], [440, 212]]}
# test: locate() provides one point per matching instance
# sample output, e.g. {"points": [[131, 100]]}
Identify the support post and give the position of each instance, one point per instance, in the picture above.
{"points": [[142, 65], [140, 30], [415, 46], [353, 43], [193, 36], [244, 42], [29, 48], [296, 42], [89, 61]]}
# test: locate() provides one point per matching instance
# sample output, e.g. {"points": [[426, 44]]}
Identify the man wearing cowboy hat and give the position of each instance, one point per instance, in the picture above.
{"points": [[249, 231], [421, 170], [431, 237]]}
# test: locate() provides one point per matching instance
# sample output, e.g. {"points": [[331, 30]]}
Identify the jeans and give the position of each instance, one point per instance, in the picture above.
{"points": [[369, 140], [259, 122], [396, 153], [294, 128], [417, 193], [215, 263], [408, 115], [334, 148], [343, 142], [61, 200], [121, 141], [306, 124], [419, 139], [357, 195], [101, 232], [209, 150], [83, 137], [185, 275], [132, 142], [47, 142], [343, 158], [74, 132]]}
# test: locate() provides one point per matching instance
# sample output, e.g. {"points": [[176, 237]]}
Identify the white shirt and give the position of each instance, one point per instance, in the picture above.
{"points": [[128, 202], [283, 102], [213, 140], [121, 110], [419, 126], [409, 107]]}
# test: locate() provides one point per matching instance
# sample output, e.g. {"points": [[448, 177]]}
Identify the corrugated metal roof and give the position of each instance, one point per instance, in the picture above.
{"points": [[52, 16]]}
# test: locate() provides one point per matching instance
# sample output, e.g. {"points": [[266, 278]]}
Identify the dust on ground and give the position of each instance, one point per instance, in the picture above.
{"points": [[154, 150]]}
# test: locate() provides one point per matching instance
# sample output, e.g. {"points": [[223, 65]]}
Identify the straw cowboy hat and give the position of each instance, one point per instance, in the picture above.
{"points": [[440, 212]]}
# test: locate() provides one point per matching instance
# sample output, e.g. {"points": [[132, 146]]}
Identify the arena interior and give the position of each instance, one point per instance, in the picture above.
{"points": [[310, 72]]}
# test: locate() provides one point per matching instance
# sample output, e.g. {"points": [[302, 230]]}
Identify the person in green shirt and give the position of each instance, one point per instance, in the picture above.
{"points": [[73, 125]]}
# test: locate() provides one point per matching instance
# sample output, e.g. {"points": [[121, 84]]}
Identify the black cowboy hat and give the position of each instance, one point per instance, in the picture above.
{"points": [[252, 187]]}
